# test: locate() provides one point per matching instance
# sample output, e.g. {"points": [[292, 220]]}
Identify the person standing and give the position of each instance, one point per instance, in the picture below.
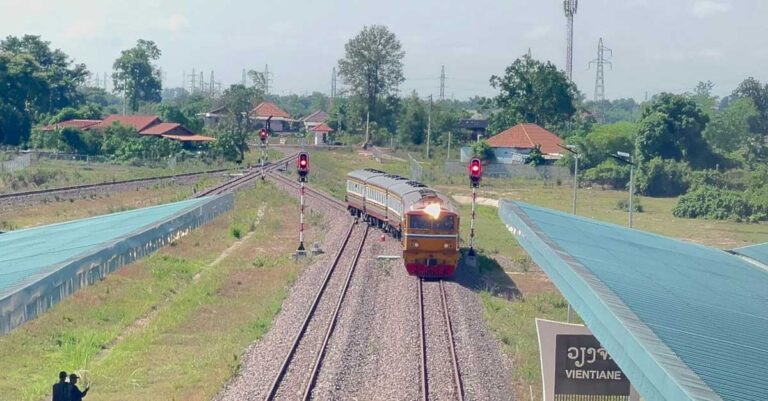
{"points": [[74, 393], [61, 389]]}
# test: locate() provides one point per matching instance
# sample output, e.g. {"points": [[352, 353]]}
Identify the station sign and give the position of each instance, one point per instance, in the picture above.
{"points": [[574, 366]]}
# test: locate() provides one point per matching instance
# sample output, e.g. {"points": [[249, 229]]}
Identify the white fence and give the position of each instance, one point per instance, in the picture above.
{"points": [[498, 170], [17, 162]]}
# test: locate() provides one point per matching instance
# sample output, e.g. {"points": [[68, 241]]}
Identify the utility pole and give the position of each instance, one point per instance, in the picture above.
{"points": [[211, 86], [202, 83], [429, 124], [442, 83], [193, 88], [333, 88], [600, 62], [570, 7], [267, 80]]}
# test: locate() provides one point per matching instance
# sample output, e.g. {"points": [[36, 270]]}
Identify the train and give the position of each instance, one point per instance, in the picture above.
{"points": [[421, 218]]}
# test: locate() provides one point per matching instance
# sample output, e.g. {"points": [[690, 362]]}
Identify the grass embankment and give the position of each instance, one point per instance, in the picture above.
{"points": [[171, 326], [45, 174], [94, 205]]}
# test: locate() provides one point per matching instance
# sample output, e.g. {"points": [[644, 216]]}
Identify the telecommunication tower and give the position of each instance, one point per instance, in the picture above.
{"points": [[570, 7], [442, 83]]}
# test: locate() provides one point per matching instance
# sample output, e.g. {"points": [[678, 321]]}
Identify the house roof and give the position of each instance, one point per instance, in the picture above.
{"points": [[139, 123], [165, 128], [322, 127], [189, 138], [527, 136], [316, 117], [80, 124], [266, 109]]}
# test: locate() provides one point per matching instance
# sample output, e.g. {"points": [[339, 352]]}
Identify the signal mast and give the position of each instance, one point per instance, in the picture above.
{"points": [[475, 176], [264, 136], [302, 168]]}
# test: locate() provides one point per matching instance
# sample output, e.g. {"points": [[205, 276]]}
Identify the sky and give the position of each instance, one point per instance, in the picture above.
{"points": [[657, 45]]}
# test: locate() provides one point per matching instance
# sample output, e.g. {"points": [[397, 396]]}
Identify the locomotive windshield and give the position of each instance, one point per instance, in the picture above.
{"points": [[423, 222]]}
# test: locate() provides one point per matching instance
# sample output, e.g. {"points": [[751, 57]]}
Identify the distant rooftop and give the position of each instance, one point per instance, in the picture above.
{"points": [[527, 136]]}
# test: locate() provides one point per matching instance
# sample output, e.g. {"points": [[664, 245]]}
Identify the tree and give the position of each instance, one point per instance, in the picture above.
{"points": [[412, 124], [535, 157], [372, 64], [758, 93], [730, 130], [532, 92], [57, 78], [671, 128], [135, 76], [702, 95], [232, 136], [484, 151]]}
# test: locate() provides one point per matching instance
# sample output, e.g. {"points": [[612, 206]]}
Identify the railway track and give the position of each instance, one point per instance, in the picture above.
{"points": [[15, 196], [310, 191], [303, 346], [458, 387], [237, 182]]}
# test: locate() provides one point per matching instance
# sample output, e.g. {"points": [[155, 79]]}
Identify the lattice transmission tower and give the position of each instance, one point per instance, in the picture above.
{"points": [[570, 7], [600, 63]]}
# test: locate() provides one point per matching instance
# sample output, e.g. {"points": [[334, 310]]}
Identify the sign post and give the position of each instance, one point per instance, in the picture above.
{"points": [[575, 366]]}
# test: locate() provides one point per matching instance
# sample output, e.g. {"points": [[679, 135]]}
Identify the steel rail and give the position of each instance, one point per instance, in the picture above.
{"points": [[321, 353], [422, 339], [454, 359], [284, 366]]}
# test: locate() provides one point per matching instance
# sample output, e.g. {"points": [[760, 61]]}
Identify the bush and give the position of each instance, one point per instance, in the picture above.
{"points": [[608, 173], [623, 205], [484, 151], [661, 177], [722, 204]]}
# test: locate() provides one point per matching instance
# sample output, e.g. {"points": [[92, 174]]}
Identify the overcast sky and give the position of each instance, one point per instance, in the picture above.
{"points": [[658, 45]]}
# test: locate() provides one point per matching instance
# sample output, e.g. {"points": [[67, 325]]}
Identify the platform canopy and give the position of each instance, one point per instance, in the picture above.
{"points": [[682, 320]]}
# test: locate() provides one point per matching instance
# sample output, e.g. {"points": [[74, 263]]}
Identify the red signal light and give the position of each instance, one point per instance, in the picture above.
{"points": [[263, 134], [475, 172], [303, 165]]}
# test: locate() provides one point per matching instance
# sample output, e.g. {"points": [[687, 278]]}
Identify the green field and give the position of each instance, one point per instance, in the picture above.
{"points": [[173, 325]]}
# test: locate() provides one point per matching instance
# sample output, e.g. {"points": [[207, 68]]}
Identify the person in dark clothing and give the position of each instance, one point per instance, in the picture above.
{"points": [[61, 389], [74, 393]]}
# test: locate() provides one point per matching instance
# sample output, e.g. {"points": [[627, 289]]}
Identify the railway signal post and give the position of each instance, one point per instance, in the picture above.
{"points": [[302, 165], [475, 176], [263, 137]]}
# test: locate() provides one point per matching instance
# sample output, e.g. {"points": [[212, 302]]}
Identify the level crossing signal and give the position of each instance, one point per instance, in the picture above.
{"points": [[475, 172], [303, 166]]}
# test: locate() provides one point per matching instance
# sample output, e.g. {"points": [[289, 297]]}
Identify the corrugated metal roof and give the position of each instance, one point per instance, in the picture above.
{"points": [[684, 321], [756, 252]]}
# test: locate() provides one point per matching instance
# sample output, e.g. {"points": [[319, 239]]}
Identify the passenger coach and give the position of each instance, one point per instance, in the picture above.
{"points": [[424, 220]]}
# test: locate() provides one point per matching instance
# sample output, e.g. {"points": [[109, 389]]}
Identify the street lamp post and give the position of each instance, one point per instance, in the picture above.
{"points": [[625, 157], [576, 154]]}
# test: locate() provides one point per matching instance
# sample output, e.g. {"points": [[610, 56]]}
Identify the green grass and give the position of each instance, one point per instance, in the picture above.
{"points": [[169, 326], [330, 168]]}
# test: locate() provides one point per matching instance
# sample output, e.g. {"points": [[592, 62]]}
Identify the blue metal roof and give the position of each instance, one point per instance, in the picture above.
{"points": [[27, 254], [756, 252], [684, 321]]}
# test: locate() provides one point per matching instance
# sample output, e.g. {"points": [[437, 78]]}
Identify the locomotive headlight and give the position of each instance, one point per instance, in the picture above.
{"points": [[415, 244], [447, 245], [433, 209]]}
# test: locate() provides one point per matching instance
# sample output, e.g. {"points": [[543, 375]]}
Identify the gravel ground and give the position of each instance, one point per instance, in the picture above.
{"points": [[374, 352]]}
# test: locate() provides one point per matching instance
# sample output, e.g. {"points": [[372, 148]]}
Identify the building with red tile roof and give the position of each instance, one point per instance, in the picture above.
{"points": [[314, 119], [527, 137], [139, 123], [167, 129], [321, 133], [79, 124], [266, 109]]}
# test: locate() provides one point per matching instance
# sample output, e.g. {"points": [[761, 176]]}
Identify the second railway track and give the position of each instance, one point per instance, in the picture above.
{"points": [[440, 375], [296, 377]]}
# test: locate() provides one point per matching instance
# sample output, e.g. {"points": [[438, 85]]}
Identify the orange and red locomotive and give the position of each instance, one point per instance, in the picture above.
{"points": [[424, 220]]}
